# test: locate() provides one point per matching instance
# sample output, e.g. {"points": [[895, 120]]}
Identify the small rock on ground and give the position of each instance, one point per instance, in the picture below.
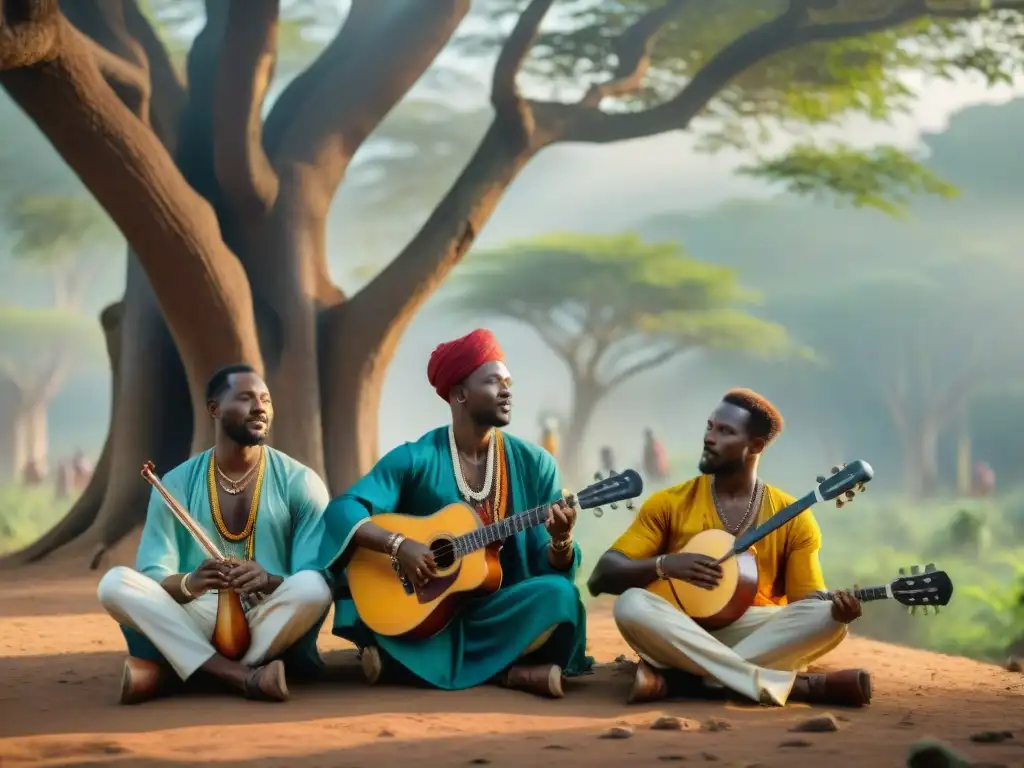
{"points": [[930, 753], [991, 737], [670, 723], [824, 723], [617, 732]]}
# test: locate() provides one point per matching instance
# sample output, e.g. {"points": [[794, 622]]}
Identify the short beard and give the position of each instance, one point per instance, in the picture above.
{"points": [[240, 434], [489, 419], [724, 468]]}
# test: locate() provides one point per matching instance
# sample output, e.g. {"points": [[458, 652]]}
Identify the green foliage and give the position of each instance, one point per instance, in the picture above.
{"points": [[884, 178], [55, 229], [35, 340], [614, 306], [26, 514]]}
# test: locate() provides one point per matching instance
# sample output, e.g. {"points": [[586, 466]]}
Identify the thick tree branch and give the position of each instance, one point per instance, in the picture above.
{"points": [[173, 231], [633, 54], [646, 365], [509, 105], [129, 81], [28, 32], [246, 67], [168, 94], [789, 30], [379, 54]]}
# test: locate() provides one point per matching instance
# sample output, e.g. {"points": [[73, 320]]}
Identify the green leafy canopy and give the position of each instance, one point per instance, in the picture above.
{"points": [[612, 307]]}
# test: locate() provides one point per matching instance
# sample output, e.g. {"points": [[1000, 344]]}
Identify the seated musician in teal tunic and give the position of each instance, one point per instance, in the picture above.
{"points": [[532, 631], [264, 512]]}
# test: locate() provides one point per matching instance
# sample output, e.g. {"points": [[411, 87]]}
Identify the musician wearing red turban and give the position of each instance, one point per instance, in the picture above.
{"points": [[531, 631]]}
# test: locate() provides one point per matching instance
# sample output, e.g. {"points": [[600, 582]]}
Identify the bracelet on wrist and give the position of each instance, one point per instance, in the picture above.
{"points": [[184, 587], [658, 566], [561, 545]]}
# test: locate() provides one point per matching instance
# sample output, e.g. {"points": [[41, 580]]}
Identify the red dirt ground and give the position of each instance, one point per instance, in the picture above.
{"points": [[61, 656]]}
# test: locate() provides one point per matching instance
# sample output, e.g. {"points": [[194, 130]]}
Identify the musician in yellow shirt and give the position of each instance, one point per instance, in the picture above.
{"points": [[792, 622]]}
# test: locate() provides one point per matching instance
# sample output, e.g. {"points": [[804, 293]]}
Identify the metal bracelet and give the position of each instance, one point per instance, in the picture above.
{"points": [[658, 569], [184, 586], [561, 546]]}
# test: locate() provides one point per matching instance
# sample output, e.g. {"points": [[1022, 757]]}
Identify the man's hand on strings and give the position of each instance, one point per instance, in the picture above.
{"points": [[417, 561], [247, 577], [561, 519], [211, 575]]}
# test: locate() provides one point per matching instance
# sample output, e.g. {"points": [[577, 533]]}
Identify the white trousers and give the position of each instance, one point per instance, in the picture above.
{"points": [[182, 633], [757, 656]]}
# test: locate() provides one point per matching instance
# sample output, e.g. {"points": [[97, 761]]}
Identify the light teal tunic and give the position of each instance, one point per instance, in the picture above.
{"points": [[493, 631], [289, 529]]}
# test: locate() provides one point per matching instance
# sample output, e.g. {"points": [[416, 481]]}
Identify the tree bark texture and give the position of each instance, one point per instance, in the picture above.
{"points": [[225, 214]]}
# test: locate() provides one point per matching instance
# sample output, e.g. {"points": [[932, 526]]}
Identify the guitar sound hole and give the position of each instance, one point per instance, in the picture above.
{"points": [[444, 553]]}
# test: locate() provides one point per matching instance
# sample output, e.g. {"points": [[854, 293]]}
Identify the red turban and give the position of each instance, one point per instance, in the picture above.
{"points": [[451, 362]]}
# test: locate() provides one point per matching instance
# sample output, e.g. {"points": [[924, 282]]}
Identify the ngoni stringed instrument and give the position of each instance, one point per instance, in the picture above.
{"points": [[231, 636], [466, 556], [719, 607]]}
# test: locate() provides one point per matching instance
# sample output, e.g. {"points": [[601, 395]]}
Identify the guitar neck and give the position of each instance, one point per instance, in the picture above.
{"points": [[867, 594], [500, 530], [776, 521]]}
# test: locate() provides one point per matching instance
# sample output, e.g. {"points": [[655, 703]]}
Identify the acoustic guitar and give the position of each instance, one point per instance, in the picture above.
{"points": [[466, 554], [719, 607]]}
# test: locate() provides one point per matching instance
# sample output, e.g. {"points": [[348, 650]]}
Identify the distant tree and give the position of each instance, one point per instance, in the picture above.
{"points": [[612, 308], [67, 239], [38, 349], [917, 345]]}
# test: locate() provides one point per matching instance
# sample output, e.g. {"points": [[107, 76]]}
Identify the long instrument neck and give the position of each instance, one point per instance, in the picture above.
{"points": [[867, 594], [500, 530]]}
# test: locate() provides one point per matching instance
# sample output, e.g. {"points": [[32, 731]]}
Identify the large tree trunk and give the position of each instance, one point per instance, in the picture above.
{"points": [[360, 336], [585, 397]]}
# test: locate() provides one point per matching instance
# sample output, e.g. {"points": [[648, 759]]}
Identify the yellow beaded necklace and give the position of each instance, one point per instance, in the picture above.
{"points": [[218, 518]]}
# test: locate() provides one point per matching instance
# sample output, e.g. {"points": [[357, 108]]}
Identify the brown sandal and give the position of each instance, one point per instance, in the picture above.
{"points": [[541, 679], [267, 683]]}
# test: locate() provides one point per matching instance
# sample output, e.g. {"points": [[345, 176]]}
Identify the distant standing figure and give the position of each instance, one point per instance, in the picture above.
{"points": [[655, 458], [81, 470], [984, 479], [549, 437], [607, 460], [61, 485]]}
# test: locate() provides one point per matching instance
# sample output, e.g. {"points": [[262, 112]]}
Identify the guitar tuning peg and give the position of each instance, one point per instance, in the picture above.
{"points": [[629, 504], [912, 610], [819, 479], [850, 494], [598, 512], [614, 505], [929, 568], [935, 609], [835, 470], [597, 475], [915, 570], [903, 571], [839, 503]]}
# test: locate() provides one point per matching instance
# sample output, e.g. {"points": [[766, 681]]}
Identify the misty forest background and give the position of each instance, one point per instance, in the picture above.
{"points": [[840, 231]]}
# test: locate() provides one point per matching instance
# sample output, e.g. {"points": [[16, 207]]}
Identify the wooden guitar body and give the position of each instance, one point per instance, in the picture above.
{"points": [[391, 608], [231, 635], [715, 608]]}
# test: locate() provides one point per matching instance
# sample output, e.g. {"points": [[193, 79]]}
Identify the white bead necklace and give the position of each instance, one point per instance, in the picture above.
{"points": [[460, 477]]}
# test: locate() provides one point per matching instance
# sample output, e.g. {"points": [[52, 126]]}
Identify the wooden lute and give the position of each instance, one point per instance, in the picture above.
{"points": [[466, 553], [231, 635], [719, 607]]}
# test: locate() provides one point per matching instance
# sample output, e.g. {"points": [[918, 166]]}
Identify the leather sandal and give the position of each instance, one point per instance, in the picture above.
{"points": [[848, 688], [648, 685], [371, 664], [267, 683], [143, 680], [540, 679]]}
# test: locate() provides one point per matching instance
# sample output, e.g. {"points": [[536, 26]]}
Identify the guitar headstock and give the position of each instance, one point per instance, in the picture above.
{"points": [[846, 482], [624, 486], [922, 588]]}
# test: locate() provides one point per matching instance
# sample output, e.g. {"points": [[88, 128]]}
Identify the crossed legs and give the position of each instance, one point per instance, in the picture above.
{"points": [[759, 656], [182, 633]]}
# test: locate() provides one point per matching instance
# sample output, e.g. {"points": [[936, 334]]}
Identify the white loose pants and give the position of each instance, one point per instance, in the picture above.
{"points": [[757, 656], [182, 633]]}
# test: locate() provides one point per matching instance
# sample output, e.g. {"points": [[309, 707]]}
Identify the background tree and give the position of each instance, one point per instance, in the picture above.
{"points": [[66, 239], [897, 343], [195, 172], [612, 308], [40, 347]]}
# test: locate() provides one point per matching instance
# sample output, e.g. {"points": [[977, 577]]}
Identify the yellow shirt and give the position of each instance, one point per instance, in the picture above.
{"points": [[787, 559]]}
